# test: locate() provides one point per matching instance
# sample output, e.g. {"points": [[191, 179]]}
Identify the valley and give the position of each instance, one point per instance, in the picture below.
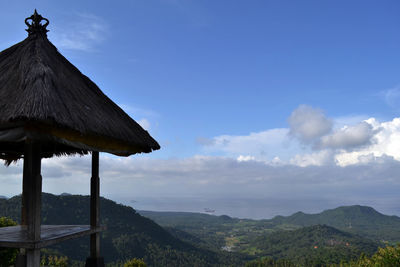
{"points": [[196, 239]]}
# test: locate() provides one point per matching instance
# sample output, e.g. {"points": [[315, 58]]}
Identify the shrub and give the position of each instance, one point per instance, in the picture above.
{"points": [[135, 263], [7, 255]]}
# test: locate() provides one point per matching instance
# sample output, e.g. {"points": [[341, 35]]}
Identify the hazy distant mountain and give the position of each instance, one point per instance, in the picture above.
{"points": [[3, 197], [355, 219]]}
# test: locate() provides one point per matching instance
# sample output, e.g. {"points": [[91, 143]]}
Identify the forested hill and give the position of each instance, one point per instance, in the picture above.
{"points": [[317, 245], [195, 220], [193, 239], [128, 233], [288, 238], [355, 219]]}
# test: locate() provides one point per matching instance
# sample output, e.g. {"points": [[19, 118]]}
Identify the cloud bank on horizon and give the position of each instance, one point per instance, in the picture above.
{"points": [[316, 163], [312, 138]]}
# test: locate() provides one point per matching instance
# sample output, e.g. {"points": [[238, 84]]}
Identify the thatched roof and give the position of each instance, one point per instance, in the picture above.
{"points": [[44, 97]]}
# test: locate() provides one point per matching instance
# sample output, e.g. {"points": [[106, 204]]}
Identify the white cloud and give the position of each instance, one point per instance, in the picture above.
{"points": [[311, 127], [264, 145], [205, 177], [358, 163], [358, 140], [343, 121], [319, 158], [84, 33], [308, 124], [349, 137], [245, 158], [365, 141], [386, 143]]}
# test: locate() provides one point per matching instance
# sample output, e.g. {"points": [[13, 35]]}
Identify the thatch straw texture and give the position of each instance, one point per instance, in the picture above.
{"points": [[47, 97]]}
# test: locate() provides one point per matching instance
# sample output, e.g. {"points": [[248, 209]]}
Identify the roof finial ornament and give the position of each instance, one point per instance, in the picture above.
{"points": [[35, 25]]}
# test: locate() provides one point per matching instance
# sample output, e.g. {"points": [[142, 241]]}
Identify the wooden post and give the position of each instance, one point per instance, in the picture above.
{"points": [[95, 260], [21, 257], [31, 201], [95, 205]]}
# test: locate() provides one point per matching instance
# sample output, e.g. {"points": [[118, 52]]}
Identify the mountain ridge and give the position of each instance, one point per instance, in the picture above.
{"points": [[128, 235], [357, 219], [317, 245], [197, 239]]}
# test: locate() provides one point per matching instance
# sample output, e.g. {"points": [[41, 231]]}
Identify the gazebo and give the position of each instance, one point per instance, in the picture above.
{"points": [[49, 108]]}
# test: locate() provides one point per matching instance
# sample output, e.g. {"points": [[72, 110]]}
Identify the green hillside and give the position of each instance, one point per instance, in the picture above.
{"points": [[314, 245], [194, 239], [212, 230], [252, 236], [361, 220], [354, 219], [279, 238], [128, 234], [188, 219]]}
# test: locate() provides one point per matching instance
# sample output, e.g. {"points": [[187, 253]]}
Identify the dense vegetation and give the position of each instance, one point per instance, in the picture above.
{"points": [[216, 231], [192, 239], [128, 235], [314, 245], [385, 257], [357, 219], [275, 239], [240, 234], [135, 263], [7, 255]]}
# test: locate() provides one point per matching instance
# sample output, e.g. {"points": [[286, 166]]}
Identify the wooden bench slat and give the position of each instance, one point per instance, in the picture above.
{"points": [[16, 236]]}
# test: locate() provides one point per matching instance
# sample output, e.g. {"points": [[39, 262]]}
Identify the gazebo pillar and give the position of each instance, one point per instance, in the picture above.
{"points": [[69, 129], [31, 203], [95, 260]]}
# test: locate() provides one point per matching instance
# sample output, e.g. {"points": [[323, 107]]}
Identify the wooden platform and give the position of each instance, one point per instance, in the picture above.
{"points": [[16, 236]]}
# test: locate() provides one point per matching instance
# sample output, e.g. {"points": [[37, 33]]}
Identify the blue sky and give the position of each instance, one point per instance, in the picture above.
{"points": [[261, 86]]}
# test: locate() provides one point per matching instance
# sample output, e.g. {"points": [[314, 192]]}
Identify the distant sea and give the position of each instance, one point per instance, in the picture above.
{"points": [[253, 208]]}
